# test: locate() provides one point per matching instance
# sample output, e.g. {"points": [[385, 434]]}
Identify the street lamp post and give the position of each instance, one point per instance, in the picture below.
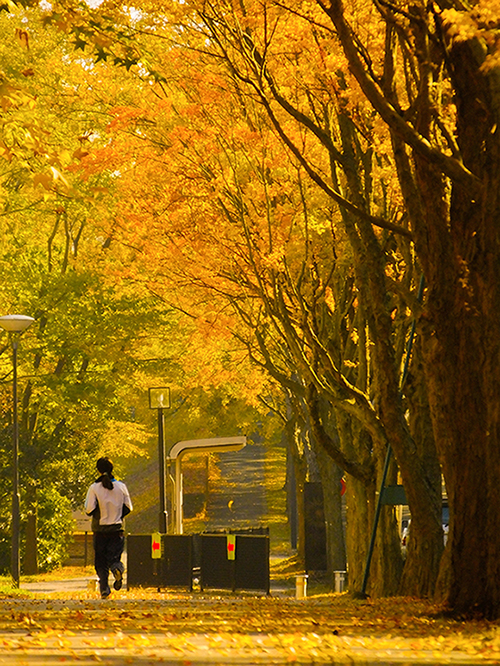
{"points": [[159, 398], [15, 325]]}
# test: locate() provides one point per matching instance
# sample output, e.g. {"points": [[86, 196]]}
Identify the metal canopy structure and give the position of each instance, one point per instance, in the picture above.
{"points": [[180, 449]]}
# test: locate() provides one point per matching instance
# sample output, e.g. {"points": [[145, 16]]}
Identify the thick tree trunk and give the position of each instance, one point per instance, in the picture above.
{"points": [[471, 463], [418, 580], [335, 541], [462, 342], [463, 364], [360, 501]]}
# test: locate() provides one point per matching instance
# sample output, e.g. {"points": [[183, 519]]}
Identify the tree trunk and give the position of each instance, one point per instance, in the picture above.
{"points": [[467, 430], [418, 580], [387, 561], [30, 561], [360, 501], [299, 470], [461, 331], [291, 498], [299, 489], [335, 542]]}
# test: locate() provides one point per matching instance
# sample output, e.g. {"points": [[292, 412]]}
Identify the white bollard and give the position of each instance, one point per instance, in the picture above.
{"points": [[301, 586], [339, 580]]}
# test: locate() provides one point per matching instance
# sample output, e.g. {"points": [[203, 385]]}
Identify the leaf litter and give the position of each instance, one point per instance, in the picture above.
{"points": [[253, 629]]}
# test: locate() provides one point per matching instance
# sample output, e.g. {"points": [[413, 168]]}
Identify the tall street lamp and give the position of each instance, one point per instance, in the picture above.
{"points": [[15, 325], [159, 398]]}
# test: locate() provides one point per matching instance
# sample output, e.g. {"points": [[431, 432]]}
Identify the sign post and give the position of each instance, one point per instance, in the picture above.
{"points": [[159, 398]]}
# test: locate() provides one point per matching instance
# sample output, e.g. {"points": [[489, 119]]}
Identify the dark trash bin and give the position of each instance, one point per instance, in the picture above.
{"points": [[174, 568], [249, 570]]}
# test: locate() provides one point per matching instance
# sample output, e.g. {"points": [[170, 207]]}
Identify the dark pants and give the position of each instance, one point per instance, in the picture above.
{"points": [[108, 549]]}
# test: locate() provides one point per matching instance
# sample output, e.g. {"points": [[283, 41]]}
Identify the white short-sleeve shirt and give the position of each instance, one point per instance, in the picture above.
{"points": [[110, 502]]}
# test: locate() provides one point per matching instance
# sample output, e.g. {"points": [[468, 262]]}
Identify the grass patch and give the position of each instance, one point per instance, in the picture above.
{"points": [[61, 573], [7, 591]]}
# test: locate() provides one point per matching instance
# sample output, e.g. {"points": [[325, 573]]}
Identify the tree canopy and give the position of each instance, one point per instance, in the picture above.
{"points": [[278, 179]]}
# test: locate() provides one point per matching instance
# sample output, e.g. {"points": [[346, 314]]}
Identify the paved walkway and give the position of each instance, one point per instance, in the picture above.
{"points": [[238, 500], [258, 650], [59, 586], [67, 623]]}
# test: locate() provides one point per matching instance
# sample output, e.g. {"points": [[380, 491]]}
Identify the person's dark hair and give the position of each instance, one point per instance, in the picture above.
{"points": [[105, 467]]}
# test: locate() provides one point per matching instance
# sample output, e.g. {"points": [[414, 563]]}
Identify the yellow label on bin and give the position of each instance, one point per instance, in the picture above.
{"points": [[231, 546], [156, 546]]}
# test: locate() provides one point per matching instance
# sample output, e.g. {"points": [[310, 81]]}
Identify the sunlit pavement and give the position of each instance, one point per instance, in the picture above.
{"points": [[152, 648], [50, 587], [34, 646], [155, 648], [199, 639]]}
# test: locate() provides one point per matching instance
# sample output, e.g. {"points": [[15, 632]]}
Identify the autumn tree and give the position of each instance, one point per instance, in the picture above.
{"points": [[261, 49], [93, 341], [248, 236], [418, 75], [442, 118], [103, 332], [331, 134]]}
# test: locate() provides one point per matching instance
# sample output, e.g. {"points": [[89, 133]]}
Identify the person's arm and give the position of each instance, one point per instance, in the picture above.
{"points": [[91, 504], [127, 502]]}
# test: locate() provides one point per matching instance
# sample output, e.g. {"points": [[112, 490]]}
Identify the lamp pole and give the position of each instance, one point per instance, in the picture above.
{"points": [[15, 325], [159, 398]]}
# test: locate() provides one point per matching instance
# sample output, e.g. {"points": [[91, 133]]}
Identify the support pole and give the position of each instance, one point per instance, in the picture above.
{"points": [[163, 518], [179, 528], [15, 563], [376, 518]]}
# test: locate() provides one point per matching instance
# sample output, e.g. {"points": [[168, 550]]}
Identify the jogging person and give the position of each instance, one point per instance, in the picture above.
{"points": [[108, 502]]}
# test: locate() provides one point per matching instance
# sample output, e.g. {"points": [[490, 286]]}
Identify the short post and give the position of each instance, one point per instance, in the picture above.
{"points": [[339, 579], [301, 586]]}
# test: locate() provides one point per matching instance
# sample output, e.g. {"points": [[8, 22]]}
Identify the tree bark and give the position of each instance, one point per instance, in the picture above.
{"points": [[30, 562], [360, 502], [299, 469], [330, 479], [462, 341]]}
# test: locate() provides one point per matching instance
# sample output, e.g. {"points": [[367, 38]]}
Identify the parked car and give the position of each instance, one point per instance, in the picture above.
{"points": [[445, 519]]}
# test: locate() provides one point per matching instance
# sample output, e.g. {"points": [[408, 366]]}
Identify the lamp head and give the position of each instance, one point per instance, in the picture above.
{"points": [[15, 323]]}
